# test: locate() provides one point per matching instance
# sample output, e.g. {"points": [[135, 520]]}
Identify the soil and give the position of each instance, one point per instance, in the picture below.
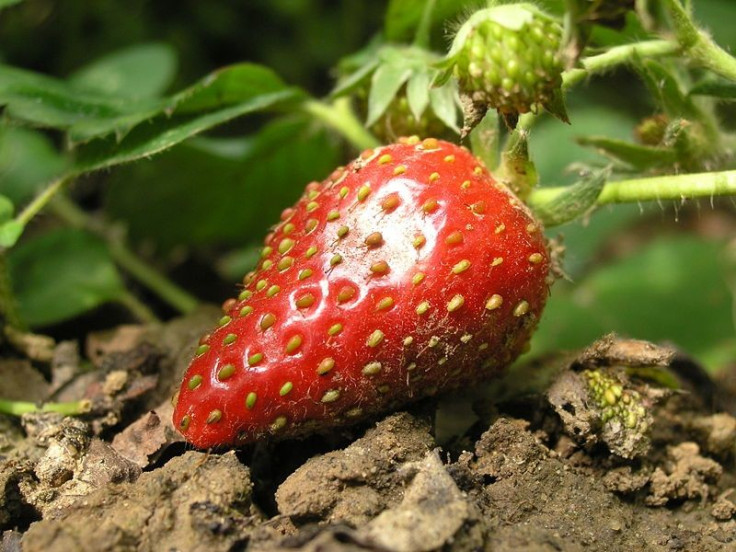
{"points": [[626, 445]]}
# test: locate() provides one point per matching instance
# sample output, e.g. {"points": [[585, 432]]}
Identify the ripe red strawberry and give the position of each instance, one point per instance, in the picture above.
{"points": [[408, 272]]}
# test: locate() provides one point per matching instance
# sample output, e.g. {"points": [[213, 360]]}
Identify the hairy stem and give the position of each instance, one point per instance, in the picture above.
{"points": [[618, 55], [340, 117], [673, 187], [697, 45], [151, 278]]}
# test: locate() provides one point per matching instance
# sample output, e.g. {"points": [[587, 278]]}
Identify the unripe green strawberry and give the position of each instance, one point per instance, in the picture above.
{"points": [[398, 120], [508, 58]]}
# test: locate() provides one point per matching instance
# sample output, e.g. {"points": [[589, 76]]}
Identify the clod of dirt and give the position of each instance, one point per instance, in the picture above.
{"points": [[686, 475], [72, 465], [14, 510], [66, 441], [724, 508], [611, 350], [507, 448], [356, 484], [433, 514], [144, 440], [196, 502], [716, 434], [332, 538]]}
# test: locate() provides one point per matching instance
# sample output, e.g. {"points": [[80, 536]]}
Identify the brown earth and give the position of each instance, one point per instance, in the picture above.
{"points": [[624, 446]]}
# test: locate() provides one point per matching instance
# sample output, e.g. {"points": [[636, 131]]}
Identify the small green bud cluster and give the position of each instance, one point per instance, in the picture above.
{"points": [[509, 58], [614, 401]]}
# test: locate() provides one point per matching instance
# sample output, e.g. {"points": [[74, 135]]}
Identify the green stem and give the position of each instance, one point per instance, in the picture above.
{"points": [[340, 117], [167, 290], [421, 38], [139, 309], [40, 201], [673, 187], [18, 408], [618, 55], [698, 46]]}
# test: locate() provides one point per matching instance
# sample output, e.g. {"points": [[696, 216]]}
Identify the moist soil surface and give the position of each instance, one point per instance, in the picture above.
{"points": [[625, 445]]}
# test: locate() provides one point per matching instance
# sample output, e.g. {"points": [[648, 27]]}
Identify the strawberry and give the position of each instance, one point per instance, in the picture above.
{"points": [[408, 272]]}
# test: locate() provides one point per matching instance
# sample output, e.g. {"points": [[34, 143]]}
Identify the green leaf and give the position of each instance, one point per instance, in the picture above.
{"points": [[6, 209], [714, 86], [8, 3], [385, 84], [141, 71], [10, 232], [236, 84], [677, 290], [48, 102], [355, 79], [87, 114], [248, 183], [574, 202], [638, 156], [27, 161], [62, 274], [417, 93], [163, 133], [445, 104]]}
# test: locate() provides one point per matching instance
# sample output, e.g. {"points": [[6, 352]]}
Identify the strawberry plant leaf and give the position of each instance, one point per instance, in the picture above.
{"points": [[716, 87], [355, 79], [386, 82], [87, 114], [231, 85], [10, 231], [248, 181], [575, 201], [165, 132], [84, 276], [417, 93], [28, 160], [638, 156], [445, 104], [141, 71], [48, 102]]}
